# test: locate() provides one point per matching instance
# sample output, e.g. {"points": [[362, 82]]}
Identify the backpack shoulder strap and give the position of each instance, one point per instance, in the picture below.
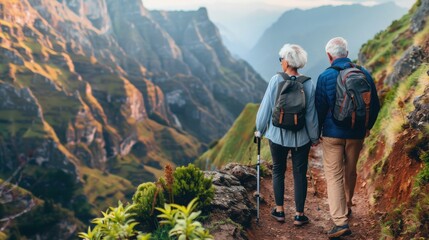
{"points": [[284, 75], [302, 79], [281, 83]]}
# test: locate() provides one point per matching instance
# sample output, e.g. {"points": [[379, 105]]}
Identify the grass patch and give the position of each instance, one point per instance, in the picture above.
{"points": [[391, 117], [131, 168], [218, 224], [104, 189], [408, 221], [393, 224], [237, 144], [380, 51], [422, 36], [173, 145]]}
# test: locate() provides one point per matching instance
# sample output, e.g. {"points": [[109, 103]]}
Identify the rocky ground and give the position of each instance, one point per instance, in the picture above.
{"points": [[363, 222], [231, 212]]}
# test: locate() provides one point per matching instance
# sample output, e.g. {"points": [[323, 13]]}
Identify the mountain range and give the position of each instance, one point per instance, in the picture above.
{"points": [[90, 82], [313, 28], [98, 96]]}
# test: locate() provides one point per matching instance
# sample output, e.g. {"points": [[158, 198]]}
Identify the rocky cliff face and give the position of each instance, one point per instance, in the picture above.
{"points": [[397, 148], [103, 72]]}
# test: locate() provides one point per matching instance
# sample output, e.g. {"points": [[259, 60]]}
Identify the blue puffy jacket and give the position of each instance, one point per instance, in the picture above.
{"points": [[325, 101]]}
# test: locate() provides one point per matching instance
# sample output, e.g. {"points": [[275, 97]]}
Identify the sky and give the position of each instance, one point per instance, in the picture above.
{"points": [[286, 4], [242, 22]]}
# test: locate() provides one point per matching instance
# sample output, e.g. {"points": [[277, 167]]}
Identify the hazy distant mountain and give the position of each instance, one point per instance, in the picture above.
{"points": [[314, 27], [233, 41], [241, 30]]}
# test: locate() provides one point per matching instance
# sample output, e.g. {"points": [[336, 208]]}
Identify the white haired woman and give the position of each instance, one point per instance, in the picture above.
{"points": [[281, 141]]}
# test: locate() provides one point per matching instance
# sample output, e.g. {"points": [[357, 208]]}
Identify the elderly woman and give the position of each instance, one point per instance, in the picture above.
{"points": [[281, 141]]}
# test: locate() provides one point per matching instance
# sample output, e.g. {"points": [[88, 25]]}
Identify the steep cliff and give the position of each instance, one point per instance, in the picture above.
{"points": [[108, 92], [101, 74], [394, 160]]}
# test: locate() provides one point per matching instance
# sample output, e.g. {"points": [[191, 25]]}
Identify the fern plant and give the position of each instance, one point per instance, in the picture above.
{"points": [[183, 221], [116, 223]]}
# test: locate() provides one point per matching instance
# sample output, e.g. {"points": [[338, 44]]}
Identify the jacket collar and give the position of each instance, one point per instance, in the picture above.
{"points": [[341, 62]]}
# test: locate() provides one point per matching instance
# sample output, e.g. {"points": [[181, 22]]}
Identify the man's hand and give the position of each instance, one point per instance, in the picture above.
{"points": [[316, 143], [258, 134]]}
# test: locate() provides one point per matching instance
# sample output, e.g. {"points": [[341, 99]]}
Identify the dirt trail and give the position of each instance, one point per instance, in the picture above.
{"points": [[363, 223]]}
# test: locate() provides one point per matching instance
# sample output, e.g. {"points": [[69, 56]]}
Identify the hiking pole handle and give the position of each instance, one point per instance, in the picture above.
{"points": [[259, 145], [257, 140]]}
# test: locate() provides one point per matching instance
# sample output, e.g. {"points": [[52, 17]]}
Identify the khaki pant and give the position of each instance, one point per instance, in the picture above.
{"points": [[340, 157]]}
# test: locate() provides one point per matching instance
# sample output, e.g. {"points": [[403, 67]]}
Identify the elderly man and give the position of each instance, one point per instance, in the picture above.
{"points": [[342, 143]]}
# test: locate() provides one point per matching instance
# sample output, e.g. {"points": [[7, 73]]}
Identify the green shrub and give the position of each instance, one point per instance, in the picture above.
{"points": [[51, 184], [183, 222], [161, 233], [421, 214], [147, 197], [393, 224], [41, 219], [116, 223], [423, 176], [189, 183], [424, 157]]}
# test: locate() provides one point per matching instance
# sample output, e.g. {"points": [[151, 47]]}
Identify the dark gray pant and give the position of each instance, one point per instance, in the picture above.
{"points": [[299, 163]]}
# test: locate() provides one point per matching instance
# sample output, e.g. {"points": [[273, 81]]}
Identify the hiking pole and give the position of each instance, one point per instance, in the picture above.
{"points": [[257, 140]]}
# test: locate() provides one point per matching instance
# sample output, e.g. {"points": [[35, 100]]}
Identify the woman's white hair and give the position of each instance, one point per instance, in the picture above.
{"points": [[337, 47], [295, 55]]}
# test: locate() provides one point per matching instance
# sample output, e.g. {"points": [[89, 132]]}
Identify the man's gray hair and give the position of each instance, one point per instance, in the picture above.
{"points": [[295, 55], [337, 47]]}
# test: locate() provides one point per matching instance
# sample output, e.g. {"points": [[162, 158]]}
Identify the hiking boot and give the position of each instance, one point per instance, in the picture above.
{"points": [[339, 231], [300, 220], [279, 216]]}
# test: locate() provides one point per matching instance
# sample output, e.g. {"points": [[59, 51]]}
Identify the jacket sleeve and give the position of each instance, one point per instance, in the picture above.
{"points": [[375, 103], [321, 102], [311, 119], [265, 109]]}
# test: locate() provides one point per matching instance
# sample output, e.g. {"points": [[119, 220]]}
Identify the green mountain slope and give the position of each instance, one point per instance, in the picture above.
{"points": [[237, 145], [30, 216]]}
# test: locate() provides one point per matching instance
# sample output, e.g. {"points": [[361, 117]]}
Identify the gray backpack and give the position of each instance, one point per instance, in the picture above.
{"points": [[353, 98], [289, 111]]}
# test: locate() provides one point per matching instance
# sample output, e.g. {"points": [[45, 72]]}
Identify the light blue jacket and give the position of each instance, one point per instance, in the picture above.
{"points": [[266, 127]]}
